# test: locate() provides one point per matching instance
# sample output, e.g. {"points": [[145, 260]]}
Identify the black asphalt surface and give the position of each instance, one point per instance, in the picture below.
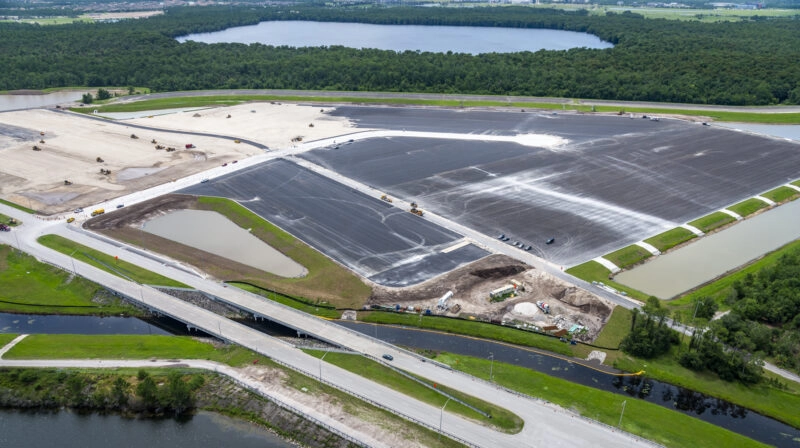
{"points": [[373, 238], [618, 180]]}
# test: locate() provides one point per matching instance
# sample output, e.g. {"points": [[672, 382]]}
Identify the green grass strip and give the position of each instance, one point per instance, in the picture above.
{"points": [[796, 183], [748, 207], [289, 301], [107, 262], [671, 238], [710, 222], [8, 220], [592, 271], [617, 327], [644, 419], [29, 286], [781, 194], [501, 419], [628, 256], [5, 338], [465, 327], [219, 100], [17, 206]]}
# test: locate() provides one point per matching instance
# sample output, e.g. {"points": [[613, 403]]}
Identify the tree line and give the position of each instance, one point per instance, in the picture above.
{"points": [[750, 63]]}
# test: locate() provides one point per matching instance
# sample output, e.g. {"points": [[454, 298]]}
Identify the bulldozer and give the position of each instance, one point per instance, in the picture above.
{"points": [[416, 210], [66, 182], [386, 198], [134, 136]]}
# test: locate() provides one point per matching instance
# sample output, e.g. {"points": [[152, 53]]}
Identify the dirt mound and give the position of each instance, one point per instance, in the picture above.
{"points": [[499, 272]]}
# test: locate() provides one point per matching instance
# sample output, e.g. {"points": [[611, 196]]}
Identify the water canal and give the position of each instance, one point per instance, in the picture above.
{"points": [[435, 39], [711, 256], [712, 410]]}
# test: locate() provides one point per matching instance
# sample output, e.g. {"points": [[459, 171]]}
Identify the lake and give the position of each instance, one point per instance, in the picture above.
{"points": [[67, 429], [435, 39], [15, 102]]}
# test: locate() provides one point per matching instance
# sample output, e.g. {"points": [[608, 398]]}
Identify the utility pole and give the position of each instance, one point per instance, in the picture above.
{"points": [[73, 261], [441, 417], [320, 364], [620, 414]]}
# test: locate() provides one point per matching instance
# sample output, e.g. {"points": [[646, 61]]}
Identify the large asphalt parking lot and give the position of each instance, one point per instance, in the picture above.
{"points": [[388, 245], [618, 180]]}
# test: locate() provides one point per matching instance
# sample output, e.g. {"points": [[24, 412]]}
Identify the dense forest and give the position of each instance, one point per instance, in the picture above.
{"points": [[750, 63]]}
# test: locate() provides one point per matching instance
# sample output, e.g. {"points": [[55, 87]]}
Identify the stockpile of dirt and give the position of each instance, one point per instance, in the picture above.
{"points": [[471, 285]]}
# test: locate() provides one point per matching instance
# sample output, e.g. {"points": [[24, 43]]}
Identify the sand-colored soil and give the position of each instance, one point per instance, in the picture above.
{"points": [[72, 144]]}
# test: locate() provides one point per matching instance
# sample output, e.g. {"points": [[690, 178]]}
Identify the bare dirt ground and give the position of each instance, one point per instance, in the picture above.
{"points": [[471, 285], [69, 146]]}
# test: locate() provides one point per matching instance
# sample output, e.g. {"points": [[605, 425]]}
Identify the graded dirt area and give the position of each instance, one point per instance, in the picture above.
{"points": [[471, 285], [75, 148]]}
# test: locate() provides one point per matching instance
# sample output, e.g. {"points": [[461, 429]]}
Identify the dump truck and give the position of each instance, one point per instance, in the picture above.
{"points": [[190, 146], [99, 211]]}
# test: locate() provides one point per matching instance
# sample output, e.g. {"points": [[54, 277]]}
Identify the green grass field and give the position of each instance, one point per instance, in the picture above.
{"points": [[593, 271], [17, 206], [748, 207], [5, 338], [781, 194], [671, 238], [7, 220], [796, 183], [501, 419], [107, 262], [628, 256], [647, 420], [469, 328], [28, 286], [710, 222]]}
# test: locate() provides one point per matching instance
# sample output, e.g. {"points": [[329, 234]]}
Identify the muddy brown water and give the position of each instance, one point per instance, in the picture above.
{"points": [[214, 233], [712, 256]]}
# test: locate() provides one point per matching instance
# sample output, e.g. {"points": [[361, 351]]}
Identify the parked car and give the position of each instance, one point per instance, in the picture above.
{"points": [[204, 181], [550, 241], [78, 210], [120, 205]]}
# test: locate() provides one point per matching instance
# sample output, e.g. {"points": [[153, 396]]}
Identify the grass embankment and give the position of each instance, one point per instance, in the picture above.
{"points": [[107, 262], [501, 419], [671, 238], [219, 100], [710, 222], [17, 206], [796, 183], [29, 286], [748, 207], [647, 420], [594, 271], [469, 328], [782, 194], [628, 256], [146, 347], [5, 338], [306, 307], [326, 281], [8, 220]]}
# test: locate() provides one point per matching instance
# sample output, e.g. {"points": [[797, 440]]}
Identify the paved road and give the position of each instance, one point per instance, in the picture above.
{"points": [[545, 424]]}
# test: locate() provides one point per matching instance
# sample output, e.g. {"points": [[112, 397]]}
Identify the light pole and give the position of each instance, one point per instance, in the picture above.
{"points": [[441, 417], [17, 238], [491, 366], [320, 364], [620, 414], [695, 309], [73, 261]]}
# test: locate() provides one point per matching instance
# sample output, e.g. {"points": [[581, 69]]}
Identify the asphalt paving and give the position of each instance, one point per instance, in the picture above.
{"points": [[617, 181], [377, 240]]}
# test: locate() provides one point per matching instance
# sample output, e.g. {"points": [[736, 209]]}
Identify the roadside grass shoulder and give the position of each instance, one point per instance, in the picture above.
{"points": [[481, 330], [106, 262], [29, 286], [628, 256], [309, 308], [501, 419], [762, 398], [5, 338], [710, 222], [796, 183], [748, 207], [615, 330], [644, 419], [782, 194], [17, 206], [594, 271], [325, 280], [671, 238], [7, 220]]}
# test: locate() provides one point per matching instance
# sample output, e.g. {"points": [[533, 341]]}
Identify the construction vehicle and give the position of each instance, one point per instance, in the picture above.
{"points": [[36, 148], [134, 136], [170, 149], [543, 306], [66, 182], [416, 210], [153, 141], [99, 211], [386, 198], [105, 171], [190, 146], [100, 159], [159, 146], [70, 219], [41, 141]]}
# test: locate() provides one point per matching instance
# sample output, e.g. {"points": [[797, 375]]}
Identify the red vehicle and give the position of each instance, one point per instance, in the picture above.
{"points": [[190, 146]]}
